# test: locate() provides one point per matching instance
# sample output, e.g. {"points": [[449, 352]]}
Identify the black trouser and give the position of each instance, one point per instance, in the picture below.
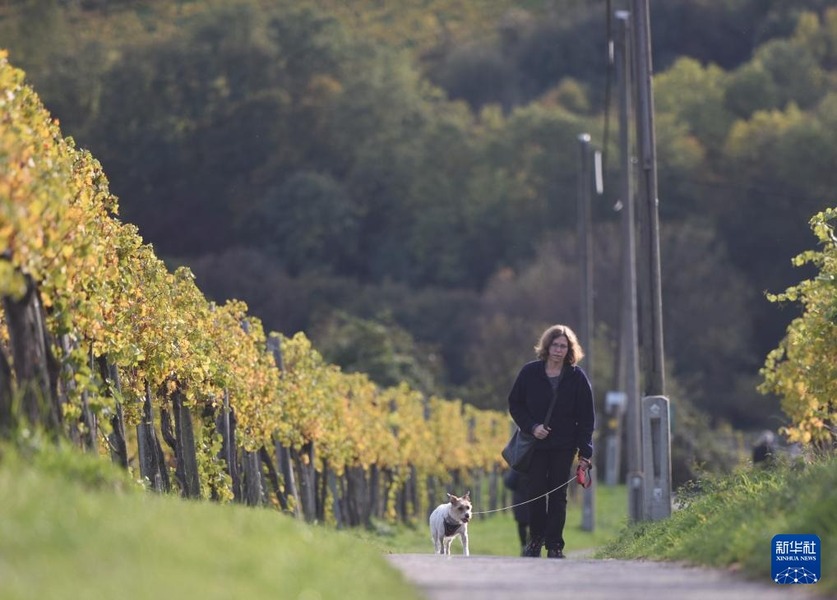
{"points": [[549, 469]]}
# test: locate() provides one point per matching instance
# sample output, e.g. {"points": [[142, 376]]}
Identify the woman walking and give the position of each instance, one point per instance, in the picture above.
{"points": [[568, 434]]}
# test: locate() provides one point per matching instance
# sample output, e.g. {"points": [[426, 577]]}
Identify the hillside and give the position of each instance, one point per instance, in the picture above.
{"points": [[403, 178]]}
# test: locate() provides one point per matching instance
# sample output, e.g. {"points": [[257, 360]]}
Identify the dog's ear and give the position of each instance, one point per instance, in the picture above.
{"points": [[451, 497], [467, 495]]}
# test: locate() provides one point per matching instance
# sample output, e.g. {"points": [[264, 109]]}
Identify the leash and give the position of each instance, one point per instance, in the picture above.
{"points": [[485, 512]]}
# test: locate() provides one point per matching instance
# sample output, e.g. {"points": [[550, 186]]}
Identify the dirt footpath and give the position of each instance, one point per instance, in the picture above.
{"points": [[505, 577]]}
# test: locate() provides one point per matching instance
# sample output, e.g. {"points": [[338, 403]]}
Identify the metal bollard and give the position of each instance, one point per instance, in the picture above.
{"points": [[656, 458], [635, 496]]}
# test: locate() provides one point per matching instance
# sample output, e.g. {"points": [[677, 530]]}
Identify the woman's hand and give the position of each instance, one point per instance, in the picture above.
{"points": [[541, 431]]}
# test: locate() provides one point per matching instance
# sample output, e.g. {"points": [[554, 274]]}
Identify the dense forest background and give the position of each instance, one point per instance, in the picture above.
{"points": [[399, 180]]}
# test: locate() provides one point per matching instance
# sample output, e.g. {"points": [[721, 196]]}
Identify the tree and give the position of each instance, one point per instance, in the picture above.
{"points": [[802, 370], [310, 223], [183, 123], [795, 71], [767, 154], [387, 353], [439, 203], [750, 88], [708, 330], [479, 75], [694, 95]]}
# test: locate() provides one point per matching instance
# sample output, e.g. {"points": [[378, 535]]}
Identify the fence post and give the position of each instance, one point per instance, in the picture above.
{"points": [[656, 456], [34, 366], [253, 490], [225, 424], [615, 403], [185, 450], [286, 467], [116, 439], [304, 461], [151, 459]]}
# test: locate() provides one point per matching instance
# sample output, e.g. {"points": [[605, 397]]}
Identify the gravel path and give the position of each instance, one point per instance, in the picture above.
{"points": [[503, 577]]}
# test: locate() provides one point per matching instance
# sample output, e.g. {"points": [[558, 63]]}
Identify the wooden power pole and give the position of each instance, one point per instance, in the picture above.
{"points": [[585, 247], [651, 300], [655, 408], [629, 337]]}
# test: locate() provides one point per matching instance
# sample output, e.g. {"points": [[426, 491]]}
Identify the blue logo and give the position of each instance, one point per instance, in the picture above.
{"points": [[796, 558]]}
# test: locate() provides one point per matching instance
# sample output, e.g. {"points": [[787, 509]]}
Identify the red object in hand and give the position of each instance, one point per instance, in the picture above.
{"points": [[582, 476]]}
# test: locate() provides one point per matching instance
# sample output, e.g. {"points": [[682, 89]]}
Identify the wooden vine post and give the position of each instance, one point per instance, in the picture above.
{"points": [[35, 368]]}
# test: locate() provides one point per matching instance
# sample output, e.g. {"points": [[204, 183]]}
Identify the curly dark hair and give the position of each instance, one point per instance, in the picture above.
{"points": [[575, 352]]}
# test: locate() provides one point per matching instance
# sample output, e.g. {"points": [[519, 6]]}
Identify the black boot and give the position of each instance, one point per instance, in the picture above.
{"points": [[533, 549]]}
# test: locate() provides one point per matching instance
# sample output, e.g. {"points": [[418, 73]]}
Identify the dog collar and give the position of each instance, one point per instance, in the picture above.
{"points": [[451, 527]]}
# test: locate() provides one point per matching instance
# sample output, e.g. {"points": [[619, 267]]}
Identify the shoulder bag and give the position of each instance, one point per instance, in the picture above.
{"points": [[519, 449]]}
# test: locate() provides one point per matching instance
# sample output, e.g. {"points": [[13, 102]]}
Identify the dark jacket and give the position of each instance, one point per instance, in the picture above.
{"points": [[573, 417]]}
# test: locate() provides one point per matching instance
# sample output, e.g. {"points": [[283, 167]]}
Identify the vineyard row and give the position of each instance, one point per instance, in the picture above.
{"points": [[101, 344]]}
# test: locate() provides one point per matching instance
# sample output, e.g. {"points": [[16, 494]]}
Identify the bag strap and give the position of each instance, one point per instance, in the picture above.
{"points": [[554, 396]]}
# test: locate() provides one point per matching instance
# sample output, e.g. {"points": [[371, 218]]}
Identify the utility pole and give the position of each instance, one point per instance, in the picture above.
{"points": [[585, 252], [629, 339], [651, 304], [655, 408]]}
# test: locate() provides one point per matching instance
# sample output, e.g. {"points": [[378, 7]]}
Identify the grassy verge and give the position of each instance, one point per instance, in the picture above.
{"points": [[730, 522], [72, 526]]}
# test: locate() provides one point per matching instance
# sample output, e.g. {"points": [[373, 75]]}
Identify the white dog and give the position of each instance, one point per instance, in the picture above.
{"points": [[450, 520]]}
